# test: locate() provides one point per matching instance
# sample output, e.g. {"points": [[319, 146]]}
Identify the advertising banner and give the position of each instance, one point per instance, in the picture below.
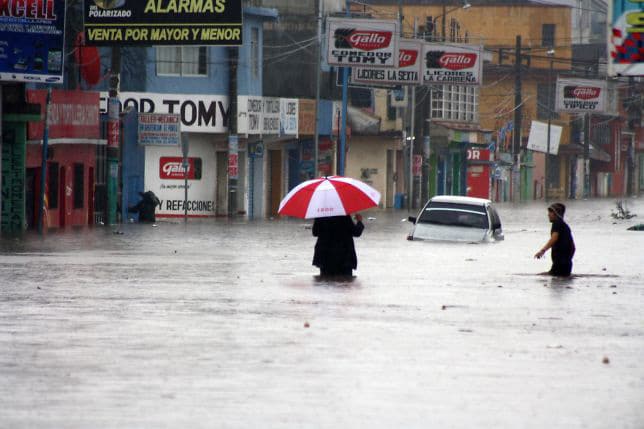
{"points": [[165, 175], [580, 96], [73, 114], [32, 35], [407, 71], [625, 50], [538, 139], [199, 113], [159, 129], [162, 22], [354, 42], [267, 115], [454, 64], [271, 116]]}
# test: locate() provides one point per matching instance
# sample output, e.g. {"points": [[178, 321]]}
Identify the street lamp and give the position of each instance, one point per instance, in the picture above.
{"points": [[550, 53], [466, 5]]}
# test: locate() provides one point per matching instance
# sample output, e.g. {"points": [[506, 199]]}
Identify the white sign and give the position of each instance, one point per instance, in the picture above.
{"points": [[249, 115], [289, 114], [625, 18], [199, 113], [454, 64], [162, 177], [271, 118], [408, 71], [581, 96], [159, 129], [538, 139], [366, 42]]}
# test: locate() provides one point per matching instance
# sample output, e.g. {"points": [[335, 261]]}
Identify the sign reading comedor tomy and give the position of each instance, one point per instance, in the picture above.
{"points": [[163, 22], [365, 42]]}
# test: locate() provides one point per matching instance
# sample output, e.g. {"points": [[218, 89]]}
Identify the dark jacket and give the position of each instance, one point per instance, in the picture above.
{"points": [[334, 250], [146, 208]]}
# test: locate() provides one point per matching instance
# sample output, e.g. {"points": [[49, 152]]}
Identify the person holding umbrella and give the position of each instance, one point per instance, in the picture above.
{"points": [[330, 201], [335, 252]]}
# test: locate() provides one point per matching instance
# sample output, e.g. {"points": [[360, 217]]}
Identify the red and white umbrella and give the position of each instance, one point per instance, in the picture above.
{"points": [[328, 196]]}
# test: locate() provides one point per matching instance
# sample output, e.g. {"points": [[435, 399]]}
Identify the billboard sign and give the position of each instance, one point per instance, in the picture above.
{"points": [[581, 96], [408, 71], [32, 35], [625, 50], [146, 23], [362, 42], [454, 64]]}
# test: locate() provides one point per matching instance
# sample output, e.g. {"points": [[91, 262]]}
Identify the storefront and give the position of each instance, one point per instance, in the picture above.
{"points": [[73, 136]]}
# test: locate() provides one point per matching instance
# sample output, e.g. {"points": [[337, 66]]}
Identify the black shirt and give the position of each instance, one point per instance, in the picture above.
{"points": [[564, 247]]}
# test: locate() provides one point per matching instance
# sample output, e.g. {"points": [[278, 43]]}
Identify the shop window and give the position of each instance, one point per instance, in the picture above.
{"points": [[52, 185], [182, 61], [79, 186]]}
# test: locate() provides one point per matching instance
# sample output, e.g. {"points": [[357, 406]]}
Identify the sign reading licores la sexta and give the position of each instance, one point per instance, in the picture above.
{"points": [[407, 72], [362, 42], [453, 64], [163, 22]]}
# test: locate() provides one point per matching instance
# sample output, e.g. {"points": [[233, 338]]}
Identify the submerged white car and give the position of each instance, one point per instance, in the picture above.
{"points": [[455, 218]]}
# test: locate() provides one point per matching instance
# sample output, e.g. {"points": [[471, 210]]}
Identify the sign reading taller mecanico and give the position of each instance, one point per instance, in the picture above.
{"points": [[452, 64], [163, 22], [362, 42]]}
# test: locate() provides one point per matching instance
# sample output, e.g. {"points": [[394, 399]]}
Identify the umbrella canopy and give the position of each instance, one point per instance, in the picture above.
{"points": [[328, 196]]}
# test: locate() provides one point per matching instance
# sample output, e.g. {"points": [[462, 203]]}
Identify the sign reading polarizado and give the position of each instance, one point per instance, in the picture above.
{"points": [[163, 22]]}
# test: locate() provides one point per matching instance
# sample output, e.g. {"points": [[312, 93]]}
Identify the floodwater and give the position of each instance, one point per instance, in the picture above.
{"points": [[224, 324]]}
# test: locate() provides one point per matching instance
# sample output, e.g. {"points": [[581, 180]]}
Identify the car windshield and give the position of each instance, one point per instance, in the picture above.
{"points": [[455, 215]]}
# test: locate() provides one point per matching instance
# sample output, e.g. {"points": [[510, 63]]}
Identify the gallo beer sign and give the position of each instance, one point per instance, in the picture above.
{"points": [[362, 42], [452, 64], [407, 72], [581, 96]]}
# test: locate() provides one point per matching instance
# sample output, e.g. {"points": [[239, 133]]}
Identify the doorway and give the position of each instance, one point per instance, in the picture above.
{"points": [[222, 184], [62, 198]]}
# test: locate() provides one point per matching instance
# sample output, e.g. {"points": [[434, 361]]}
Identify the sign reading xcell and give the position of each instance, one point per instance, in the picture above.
{"points": [[453, 64], [362, 42], [163, 22]]}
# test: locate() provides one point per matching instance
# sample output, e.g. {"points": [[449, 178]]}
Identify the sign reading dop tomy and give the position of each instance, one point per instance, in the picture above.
{"points": [[163, 22]]}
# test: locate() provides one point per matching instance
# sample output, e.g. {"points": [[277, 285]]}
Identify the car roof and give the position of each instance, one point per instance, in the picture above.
{"points": [[459, 200]]}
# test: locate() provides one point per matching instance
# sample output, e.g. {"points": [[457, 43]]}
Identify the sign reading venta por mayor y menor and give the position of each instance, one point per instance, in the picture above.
{"points": [[163, 22]]}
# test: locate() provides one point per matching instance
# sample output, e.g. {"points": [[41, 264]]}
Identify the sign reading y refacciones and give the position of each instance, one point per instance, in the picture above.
{"points": [[32, 35], [362, 42], [163, 22]]}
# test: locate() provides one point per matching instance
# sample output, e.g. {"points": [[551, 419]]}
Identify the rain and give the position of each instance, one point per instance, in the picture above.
{"points": [[225, 323]]}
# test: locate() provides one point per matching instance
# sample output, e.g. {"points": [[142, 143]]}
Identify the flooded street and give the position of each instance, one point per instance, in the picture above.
{"points": [[223, 323]]}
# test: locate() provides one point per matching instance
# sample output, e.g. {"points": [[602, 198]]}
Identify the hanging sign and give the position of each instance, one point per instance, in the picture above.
{"points": [[354, 42], [454, 64], [408, 71], [580, 96]]}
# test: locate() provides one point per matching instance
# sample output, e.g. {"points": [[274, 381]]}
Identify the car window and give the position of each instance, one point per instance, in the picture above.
{"points": [[454, 217]]}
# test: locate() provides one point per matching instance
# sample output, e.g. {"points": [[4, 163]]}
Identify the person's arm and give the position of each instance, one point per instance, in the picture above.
{"points": [[553, 239], [358, 227]]}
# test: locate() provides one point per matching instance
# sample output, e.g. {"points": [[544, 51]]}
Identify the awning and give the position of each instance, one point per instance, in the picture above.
{"points": [[362, 122], [576, 149]]}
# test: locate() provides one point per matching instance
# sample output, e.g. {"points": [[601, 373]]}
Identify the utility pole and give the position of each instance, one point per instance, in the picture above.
{"points": [[113, 138], [586, 155], [516, 133], [233, 139], [43, 168], [345, 107], [547, 158], [316, 137]]}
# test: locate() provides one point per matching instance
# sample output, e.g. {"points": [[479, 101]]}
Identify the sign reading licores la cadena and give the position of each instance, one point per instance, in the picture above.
{"points": [[362, 42], [452, 64]]}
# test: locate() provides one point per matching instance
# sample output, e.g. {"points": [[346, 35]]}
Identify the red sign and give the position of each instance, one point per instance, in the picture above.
{"points": [[113, 133], [367, 40], [233, 165], [474, 154], [407, 58], [586, 92], [73, 114], [457, 61], [171, 168], [418, 164]]}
